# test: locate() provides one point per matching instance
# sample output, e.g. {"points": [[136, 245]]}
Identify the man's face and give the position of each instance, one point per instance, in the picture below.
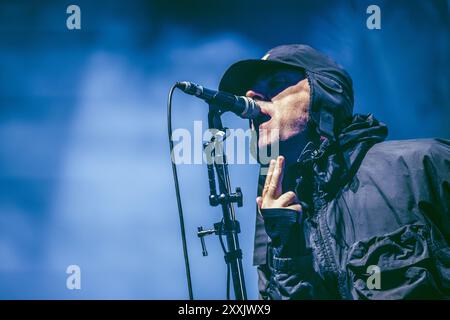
{"points": [[284, 97]]}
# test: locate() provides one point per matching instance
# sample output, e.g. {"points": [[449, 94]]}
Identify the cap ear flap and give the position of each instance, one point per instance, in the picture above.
{"points": [[327, 122], [323, 119], [329, 84], [329, 106]]}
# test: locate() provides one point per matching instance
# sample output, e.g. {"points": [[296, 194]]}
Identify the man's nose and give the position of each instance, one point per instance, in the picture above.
{"points": [[259, 97]]}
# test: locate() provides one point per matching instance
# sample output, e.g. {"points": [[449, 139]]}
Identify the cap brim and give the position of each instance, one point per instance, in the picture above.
{"points": [[241, 76]]}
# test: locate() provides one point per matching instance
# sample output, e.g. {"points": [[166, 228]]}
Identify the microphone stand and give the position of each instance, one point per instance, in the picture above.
{"points": [[229, 226]]}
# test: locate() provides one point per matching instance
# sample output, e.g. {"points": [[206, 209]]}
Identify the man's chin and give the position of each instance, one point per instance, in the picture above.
{"points": [[267, 151], [289, 148], [271, 145]]}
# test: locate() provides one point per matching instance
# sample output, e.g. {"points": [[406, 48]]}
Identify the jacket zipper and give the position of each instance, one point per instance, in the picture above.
{"points": [[323, 242]]}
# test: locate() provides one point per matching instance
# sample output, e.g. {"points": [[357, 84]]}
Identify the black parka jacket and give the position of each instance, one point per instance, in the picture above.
{"points": [[375, 222]]}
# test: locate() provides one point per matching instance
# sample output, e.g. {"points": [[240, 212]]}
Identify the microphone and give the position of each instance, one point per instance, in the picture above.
{"points": [[242, 106]]}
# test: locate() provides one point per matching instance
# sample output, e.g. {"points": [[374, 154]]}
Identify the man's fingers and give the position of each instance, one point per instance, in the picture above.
{"points": [[274, 190], [280, 179], [268, 177], [287, 199]]}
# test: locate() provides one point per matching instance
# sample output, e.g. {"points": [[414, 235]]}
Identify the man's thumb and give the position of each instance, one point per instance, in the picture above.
{"points": [[259, 201]]}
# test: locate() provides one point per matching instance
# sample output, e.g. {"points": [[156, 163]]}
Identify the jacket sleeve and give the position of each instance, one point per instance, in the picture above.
{"points": [[412, 262], [289, 259], [433, 185]]}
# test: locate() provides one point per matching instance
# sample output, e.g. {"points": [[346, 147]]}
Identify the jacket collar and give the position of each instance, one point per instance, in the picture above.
{"points": [[322, 172]]}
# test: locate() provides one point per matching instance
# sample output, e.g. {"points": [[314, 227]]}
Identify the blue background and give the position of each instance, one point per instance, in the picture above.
{"points": [[85, 176]]}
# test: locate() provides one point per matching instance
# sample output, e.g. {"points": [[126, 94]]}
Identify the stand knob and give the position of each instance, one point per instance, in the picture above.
{"points": [[201, 234], [239, 197], [202, 241]]}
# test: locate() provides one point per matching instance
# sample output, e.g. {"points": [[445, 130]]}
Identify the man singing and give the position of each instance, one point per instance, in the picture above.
{"points": [[341, 214]]}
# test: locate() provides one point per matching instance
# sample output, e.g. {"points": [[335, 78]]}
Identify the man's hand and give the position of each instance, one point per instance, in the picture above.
{"points": [[271, 194]]}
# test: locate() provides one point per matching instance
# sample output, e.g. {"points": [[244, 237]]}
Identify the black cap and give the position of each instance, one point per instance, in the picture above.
{"points": [[331, 86]]}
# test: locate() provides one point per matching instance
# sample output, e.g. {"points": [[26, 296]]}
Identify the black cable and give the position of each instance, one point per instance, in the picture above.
{"points": [[222, 183], [228, 281], [223, 186], [228, 264], [177, 191]]}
